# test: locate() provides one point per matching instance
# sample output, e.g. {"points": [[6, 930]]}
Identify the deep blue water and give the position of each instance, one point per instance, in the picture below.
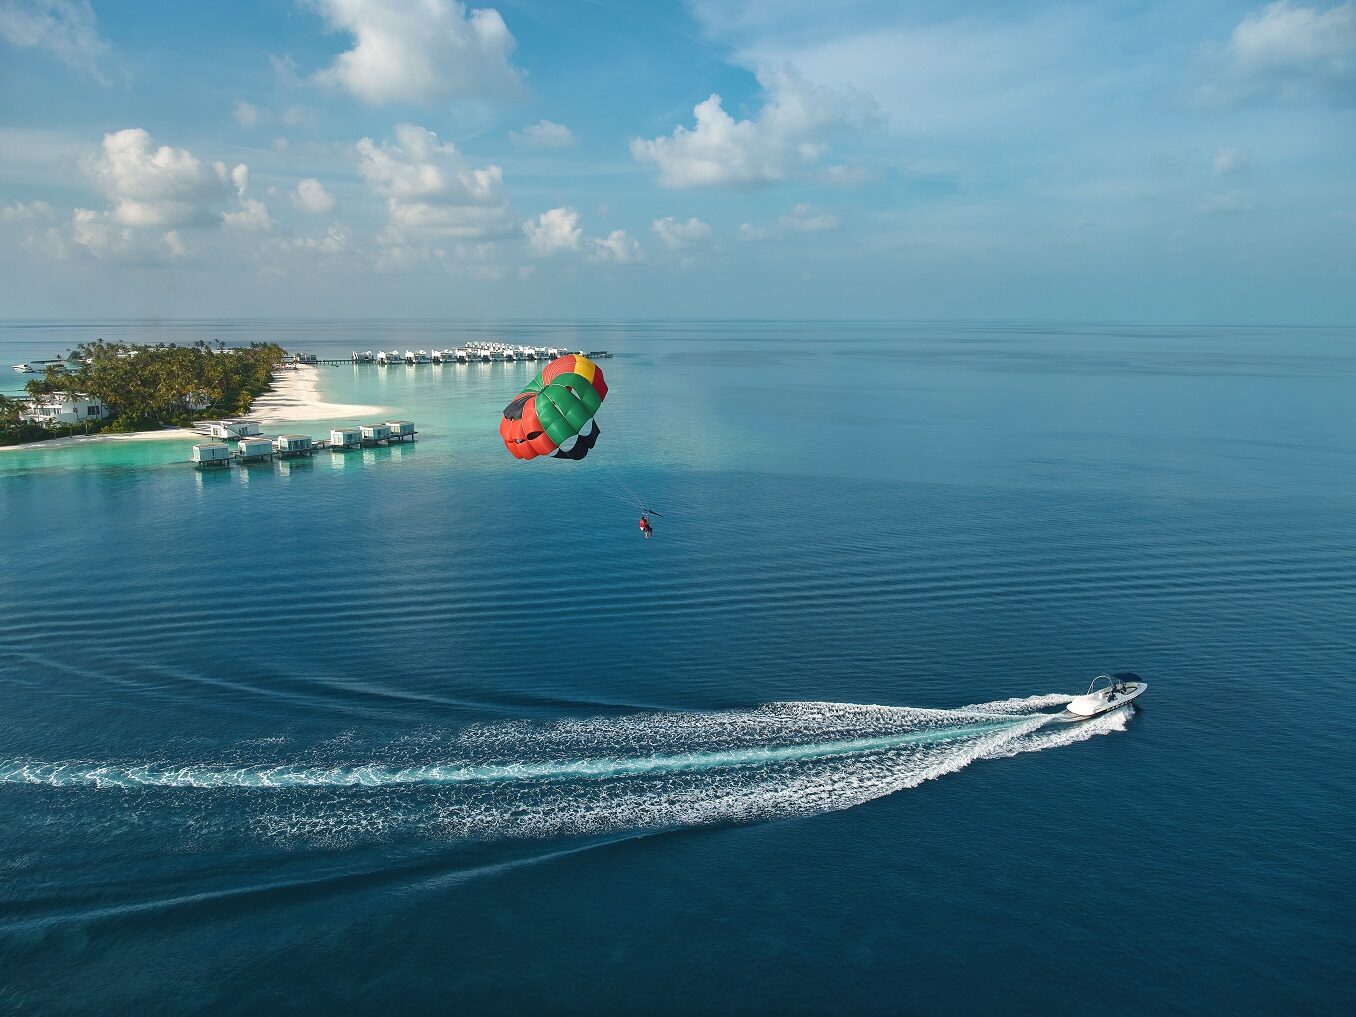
{"points": [[432, 730]]}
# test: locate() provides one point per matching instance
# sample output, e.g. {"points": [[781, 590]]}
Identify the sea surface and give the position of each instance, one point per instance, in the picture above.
{"points": [[426, 729]]}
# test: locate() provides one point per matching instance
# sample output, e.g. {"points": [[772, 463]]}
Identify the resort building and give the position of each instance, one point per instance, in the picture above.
{"points": [[64, 408]]}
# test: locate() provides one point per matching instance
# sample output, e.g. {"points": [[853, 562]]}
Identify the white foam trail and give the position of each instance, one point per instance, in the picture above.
{"points": [[603, 774]]}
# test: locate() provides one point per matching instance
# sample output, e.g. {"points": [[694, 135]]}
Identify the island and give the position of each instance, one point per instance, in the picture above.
{"points": [[128, 387]]}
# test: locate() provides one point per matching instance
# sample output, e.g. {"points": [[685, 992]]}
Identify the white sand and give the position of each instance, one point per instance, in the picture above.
{"points": [[177, 433], [295, 396]]}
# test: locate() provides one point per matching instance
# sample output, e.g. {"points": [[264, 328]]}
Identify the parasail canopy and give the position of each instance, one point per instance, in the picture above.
{"points": [[554, 407]]}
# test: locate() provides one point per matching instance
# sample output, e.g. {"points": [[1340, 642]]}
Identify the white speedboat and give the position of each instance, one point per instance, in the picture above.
{"points": [[1107, 692]]}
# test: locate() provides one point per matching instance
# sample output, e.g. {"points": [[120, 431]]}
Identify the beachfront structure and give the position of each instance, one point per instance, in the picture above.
{"points": [[292, 444], [364, 357], [400, 428], [376, 432], [229, 430], [255, 448], [64, 408], [211, 454], [346, 437]]}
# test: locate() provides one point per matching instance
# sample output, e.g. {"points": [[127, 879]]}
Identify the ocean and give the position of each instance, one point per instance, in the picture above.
{"points": [[426, 729]]}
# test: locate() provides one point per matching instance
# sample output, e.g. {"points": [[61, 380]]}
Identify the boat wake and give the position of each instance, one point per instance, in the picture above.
{"points": [[601, 775]]}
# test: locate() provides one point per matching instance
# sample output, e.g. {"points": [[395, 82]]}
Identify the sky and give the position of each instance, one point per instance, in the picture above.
{"points": [[1130, 160]]}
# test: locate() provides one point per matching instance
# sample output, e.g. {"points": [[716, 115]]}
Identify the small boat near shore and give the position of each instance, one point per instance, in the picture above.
{"points": [[1106, 693]]}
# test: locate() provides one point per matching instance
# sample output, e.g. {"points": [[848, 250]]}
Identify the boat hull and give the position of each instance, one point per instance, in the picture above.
{"points": [[1104, 701]]}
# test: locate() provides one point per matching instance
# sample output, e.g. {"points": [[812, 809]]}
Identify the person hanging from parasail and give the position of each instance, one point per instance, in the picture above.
{"points": [[645, 527]]}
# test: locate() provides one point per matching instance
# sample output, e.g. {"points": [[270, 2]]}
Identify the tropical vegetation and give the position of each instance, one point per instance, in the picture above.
{"points": [[146, 387]]}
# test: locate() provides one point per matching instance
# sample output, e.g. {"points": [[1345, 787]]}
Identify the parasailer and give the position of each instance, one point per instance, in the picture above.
{"points": [[554, 416], [645, 526], [554, 407]]}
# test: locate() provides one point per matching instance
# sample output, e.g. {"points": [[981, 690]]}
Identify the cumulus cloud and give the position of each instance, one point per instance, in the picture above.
{"points": [[803, 218], [1290, 51], [558, 231], [333, 242], [789, 132], [252, 216], [677, 235], [808, 219], [1227, 161], [544, 134], [100, 235], [554, 231], [420, 51], [311, 196], [161, 186], [65, 28], [25, 211], [844, 176], [617, 246], [428, 186]]}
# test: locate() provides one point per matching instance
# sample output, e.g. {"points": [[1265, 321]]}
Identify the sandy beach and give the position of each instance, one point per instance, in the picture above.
{"points": [[294, 397]]}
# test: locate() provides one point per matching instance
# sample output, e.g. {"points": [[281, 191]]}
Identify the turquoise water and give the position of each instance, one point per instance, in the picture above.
{"points": [[425, 728]]}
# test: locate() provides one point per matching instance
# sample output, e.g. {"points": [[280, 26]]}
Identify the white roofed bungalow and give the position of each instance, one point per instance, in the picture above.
{"points": [[211, 454], [293, 444], [346, 437], [373, 433], [63, 408]]}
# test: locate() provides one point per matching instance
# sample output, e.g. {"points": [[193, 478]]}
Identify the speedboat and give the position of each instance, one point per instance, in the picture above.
{"points": [[1107, 692]]}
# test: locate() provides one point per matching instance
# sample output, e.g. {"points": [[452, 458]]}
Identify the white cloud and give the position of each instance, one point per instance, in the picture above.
{"points": [[789, 132], [1227, 161], [252, 216], [1226, 203], [677, 235], [544, 134], [428, 186], [101, 236], [245, 114], [617, 246], [420, 52], [554, 231], [803, 218], [808, 219], [311, 196], [557, 231], [25, 211], [844, 176], [1291, 51], [335, 241], [163, 186], [65, 28]]}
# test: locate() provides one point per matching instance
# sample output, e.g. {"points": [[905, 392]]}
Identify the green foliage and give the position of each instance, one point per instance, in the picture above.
{"points": [[146, 387]]}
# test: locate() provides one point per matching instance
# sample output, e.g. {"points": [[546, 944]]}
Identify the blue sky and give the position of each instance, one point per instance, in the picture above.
{"points": [[1139, 161]]}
